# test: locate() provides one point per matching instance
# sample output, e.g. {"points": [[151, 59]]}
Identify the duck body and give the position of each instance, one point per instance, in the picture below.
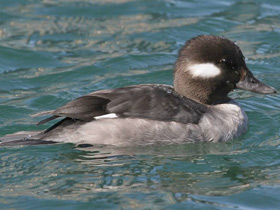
{"points": [[180, 124], [195, 109]]}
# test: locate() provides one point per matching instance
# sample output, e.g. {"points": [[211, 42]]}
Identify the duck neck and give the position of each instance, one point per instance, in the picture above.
{"points": [[206, 92]]}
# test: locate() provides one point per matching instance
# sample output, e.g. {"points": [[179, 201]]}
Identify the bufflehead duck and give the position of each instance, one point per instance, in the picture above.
{"points": [[196, 109]]}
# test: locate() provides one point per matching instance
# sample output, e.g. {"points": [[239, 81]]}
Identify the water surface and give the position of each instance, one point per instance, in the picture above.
{"points": [[53, 51]]}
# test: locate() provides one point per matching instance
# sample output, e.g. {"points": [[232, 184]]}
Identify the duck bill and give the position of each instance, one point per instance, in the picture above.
{"points": [[252, 84]]}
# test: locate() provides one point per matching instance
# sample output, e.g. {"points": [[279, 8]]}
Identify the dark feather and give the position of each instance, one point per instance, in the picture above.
{"points": [[47, 119], [157, 102], [84, 108], [56, 124]]}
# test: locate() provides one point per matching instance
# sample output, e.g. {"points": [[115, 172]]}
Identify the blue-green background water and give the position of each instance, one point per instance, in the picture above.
{"points": [[53, 51]]}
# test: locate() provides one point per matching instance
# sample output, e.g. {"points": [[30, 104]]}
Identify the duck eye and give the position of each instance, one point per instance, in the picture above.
{"points": [[223, 60], [228, 63]]}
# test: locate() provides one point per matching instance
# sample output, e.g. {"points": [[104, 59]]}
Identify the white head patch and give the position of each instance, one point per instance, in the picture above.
{"points": [[204, 70]]}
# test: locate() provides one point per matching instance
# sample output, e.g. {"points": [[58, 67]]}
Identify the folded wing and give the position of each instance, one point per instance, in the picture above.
{"points": [[157, 102]]}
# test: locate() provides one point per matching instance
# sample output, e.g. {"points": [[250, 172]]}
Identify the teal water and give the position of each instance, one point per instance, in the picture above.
{"points": [[53, 51]]}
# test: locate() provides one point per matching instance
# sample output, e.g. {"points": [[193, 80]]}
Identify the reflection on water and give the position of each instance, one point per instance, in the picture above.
{"points": [[99, 173], [54, 51]]}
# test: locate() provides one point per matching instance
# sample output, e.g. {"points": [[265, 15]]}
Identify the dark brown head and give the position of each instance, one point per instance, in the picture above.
{"points": [[209, 67]]}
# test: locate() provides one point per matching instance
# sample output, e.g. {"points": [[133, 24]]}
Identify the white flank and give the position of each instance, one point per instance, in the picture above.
{"points": [[106, 116], [204, 70]]}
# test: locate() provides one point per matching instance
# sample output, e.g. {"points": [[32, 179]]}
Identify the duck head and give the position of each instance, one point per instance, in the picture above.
{"points": [[209, 67]]}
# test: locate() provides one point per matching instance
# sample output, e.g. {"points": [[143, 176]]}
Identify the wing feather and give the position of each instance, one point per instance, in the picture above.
{"points": [[158, 102]]}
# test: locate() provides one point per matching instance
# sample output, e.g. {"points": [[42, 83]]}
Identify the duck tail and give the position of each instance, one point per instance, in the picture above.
{"points": [[23, 138]]}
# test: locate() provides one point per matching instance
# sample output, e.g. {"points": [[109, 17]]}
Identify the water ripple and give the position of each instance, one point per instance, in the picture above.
{"points": [[54, 51]]}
